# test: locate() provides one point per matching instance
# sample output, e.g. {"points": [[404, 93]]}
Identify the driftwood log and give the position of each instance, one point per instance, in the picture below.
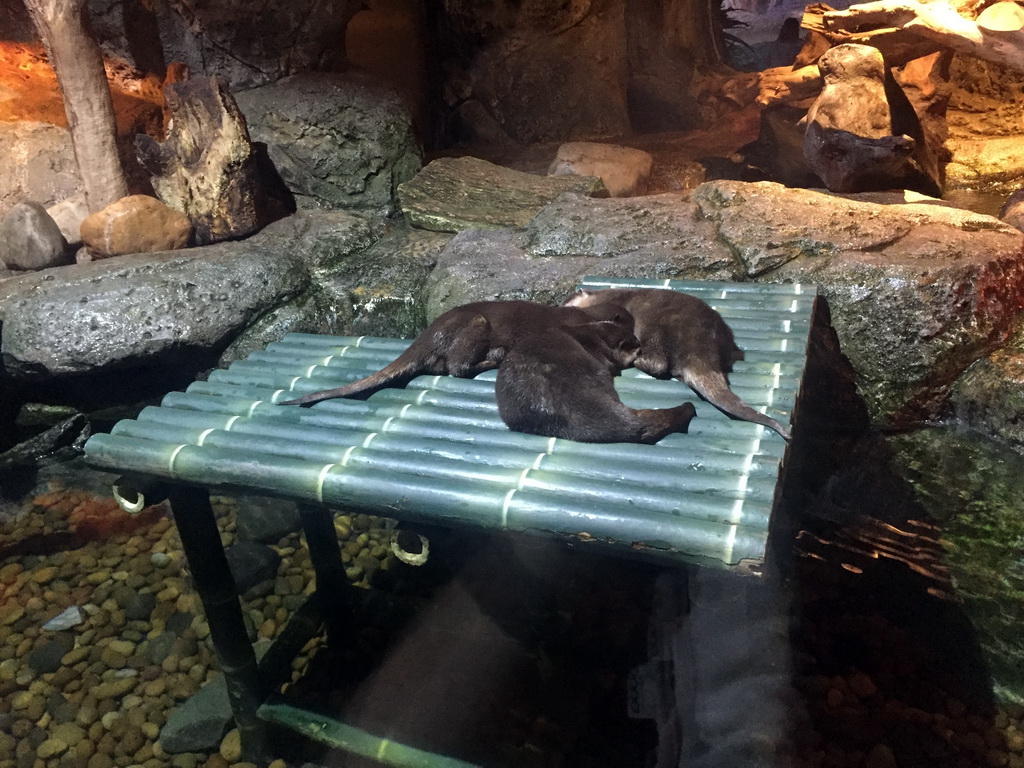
{"points": [[908, 29], [206, 168]]}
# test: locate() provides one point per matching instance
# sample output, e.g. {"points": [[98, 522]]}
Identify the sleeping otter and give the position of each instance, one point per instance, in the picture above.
{"points": [[682, 337], [468, 340], [558, 382]]}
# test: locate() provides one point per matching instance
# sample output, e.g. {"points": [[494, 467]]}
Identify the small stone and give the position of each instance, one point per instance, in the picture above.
{"points": [[51, 748], [862, 685], [881, 756], [97, 577], [44, 575], [46, 658], [834, 698], [160, 559], [66, 619], [231, 746]]}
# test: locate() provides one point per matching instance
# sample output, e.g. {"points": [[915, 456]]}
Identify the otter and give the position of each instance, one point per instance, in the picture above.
{"points": [[468, 340], [682, 337], [559, 382]]}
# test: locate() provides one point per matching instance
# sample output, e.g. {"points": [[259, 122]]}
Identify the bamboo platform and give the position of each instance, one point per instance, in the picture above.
{"points": [[437, 452]]}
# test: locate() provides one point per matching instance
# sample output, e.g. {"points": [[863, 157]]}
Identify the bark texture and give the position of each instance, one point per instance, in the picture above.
{"points": [[78, 62]]}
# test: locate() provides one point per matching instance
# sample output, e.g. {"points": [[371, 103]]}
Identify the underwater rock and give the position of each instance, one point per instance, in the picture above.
{"points": [[975, 487], [989, 396]]}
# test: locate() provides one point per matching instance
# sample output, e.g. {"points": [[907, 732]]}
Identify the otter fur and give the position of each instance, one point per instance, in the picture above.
{"points": [[559, 382], [682, 337], [468, 340]]}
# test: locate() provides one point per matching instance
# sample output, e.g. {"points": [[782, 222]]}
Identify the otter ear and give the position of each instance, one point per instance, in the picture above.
{"points": [[576, 298]]}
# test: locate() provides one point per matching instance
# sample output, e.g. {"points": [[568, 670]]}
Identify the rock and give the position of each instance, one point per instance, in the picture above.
{"points": [[46, 658], [51, 748], [1012, 211], [198, 724], [117, 311], [139, 606], [548, 73], [989, 396], [308, 123], [39, 163], [863, 136], [135, 224], [917, 292], [266, 520], [30, 239], [231, 746], [69, 214], [66, 619], [452, 194], [991, 160], [206, 168], [973, 486], [624, 171], [251, 564], [659, 228]]}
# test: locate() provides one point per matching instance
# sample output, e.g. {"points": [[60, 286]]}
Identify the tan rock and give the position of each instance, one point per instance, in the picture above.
{"points": [[625, 171], [231, 746], [135, 224]]}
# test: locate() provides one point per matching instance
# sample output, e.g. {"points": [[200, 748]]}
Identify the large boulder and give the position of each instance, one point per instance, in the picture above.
{"points": [[918, 291], [138, 309], [336, 140]]}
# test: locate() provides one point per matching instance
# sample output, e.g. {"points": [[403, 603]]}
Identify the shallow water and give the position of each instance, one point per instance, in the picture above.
{"points": [[531, 647]]}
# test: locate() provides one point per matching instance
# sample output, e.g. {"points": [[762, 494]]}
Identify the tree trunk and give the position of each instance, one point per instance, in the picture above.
{"points": [[76, 58]]}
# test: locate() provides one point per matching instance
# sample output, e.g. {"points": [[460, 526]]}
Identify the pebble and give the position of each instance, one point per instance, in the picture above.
{"points": [[66, 619], [231, 746], [51, 748]]}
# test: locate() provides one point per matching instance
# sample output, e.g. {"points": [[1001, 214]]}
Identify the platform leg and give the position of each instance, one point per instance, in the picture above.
{"points": [[200, 539], [332, 587]]}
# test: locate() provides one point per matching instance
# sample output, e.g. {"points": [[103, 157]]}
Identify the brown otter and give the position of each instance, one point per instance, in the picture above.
{"points": [[682, 337], [468, 340], [559, 383]]}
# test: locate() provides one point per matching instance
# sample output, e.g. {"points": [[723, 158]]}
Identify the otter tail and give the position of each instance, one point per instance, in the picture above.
{"points": [[714, 387], [401, 370]]}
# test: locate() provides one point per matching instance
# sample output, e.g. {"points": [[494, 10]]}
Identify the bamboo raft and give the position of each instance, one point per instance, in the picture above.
{"points": [[436, 452]]}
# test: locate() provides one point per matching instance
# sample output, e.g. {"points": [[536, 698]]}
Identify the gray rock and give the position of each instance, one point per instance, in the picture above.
{"points": [[198, 724], [917, 292], [266, 520], [336, 140], [116, 312], [452, 194], [139, 606], [989, 396], [39, 164], [252, 564], [973, 486], [660, 227], [46, 657], [30, 239]]}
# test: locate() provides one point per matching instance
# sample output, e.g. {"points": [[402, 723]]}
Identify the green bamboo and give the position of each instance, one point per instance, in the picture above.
{"points": [[354, 740]]}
